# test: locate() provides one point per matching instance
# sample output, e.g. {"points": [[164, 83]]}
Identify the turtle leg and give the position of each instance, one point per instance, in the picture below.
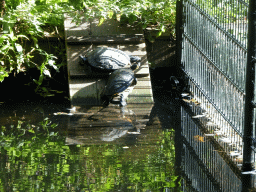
{"points": [[123, 97], [104, 98], [82, 60], [135, 66], [134, 81]]}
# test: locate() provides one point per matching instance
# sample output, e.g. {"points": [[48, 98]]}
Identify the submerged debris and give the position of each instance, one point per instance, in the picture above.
{"points": [[199, 116], [199, 138], [225, 140], [134, 132], [235, 153]]}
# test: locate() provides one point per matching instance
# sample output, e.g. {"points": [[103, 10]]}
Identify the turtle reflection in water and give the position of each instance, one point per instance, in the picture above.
{"points": [[115, 122], [107, 59], [117, 83], [121, 128]]}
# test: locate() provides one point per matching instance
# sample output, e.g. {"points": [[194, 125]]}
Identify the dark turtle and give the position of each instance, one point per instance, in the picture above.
{"points": [[118, 82], [108, 59]]}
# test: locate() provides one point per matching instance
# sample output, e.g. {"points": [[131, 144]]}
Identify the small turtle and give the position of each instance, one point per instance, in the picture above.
{"points": [[107, 59], [118, 82]]}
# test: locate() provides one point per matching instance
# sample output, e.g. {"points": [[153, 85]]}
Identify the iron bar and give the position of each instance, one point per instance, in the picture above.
{"points": [[217, 25], [214, 56], [211, 61], [179, 30], [216, 107], [205, 169], [249, 97]]}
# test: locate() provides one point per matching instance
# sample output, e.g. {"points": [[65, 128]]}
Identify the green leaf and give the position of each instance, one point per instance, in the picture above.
{"points": [[51, 62], [18, 47], [31, 131], [45, 89], [47, 72], [5, 47], [52, 134], [41, 78], [35, 81], [159, 33], [2, 38], [35, 41], [101, 21], [144, 26], [110, 14], [23, 36], [163, 28], [11, 35], [39, 29], [3, 73]]}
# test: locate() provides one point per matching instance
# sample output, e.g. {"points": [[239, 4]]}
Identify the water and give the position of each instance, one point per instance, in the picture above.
{"points": [[45, 147]]}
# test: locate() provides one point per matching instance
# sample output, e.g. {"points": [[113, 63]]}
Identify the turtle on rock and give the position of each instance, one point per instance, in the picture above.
{"points": [[117, 83], [107, 59]]}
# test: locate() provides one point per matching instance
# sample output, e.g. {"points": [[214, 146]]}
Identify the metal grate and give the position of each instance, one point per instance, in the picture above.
{"points": [[214, 55], [212, 46]]}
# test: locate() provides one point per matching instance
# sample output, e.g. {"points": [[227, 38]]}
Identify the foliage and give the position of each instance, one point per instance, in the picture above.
{"points": [[25, 150], [25, 21], [225, 11], [158, 14]]}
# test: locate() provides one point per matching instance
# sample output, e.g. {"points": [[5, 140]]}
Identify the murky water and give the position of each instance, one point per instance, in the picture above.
{"points": [[45, 147]]}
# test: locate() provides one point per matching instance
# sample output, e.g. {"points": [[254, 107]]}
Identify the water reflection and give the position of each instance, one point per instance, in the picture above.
{"points": [[150, 148], [106, 150]]}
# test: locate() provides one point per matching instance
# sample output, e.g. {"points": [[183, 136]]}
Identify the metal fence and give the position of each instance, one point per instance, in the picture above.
{"points": [[204, 166], [214, 57], [213, 52]]}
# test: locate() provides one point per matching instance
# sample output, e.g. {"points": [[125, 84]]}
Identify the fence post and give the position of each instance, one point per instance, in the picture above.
{"points": [[179, 30], [249, 98]]}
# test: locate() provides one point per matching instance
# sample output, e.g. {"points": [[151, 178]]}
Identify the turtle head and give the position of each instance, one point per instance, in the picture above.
{"points": [[134, 58], [82, 60], [135, 66]]}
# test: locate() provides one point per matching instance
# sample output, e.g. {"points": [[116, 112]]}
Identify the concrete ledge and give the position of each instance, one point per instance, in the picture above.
{"points": [[85, 87]]}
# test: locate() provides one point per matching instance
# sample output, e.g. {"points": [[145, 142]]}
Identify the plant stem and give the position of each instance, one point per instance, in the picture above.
{"points": [[2, 7]]}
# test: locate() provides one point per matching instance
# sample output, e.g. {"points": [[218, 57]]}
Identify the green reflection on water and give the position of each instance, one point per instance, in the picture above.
{"points": [[34, 157]]}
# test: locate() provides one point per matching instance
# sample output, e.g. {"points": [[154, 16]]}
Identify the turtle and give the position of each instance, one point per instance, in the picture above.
{"points": [[117, 83], [107, 59]]}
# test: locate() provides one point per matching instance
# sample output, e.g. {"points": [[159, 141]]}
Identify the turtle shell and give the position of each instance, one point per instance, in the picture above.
{"points": [[109, 59], [119, 81]]}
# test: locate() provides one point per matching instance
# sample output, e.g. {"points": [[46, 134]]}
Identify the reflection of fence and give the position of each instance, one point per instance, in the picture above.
{"points": [[213, 53]]}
